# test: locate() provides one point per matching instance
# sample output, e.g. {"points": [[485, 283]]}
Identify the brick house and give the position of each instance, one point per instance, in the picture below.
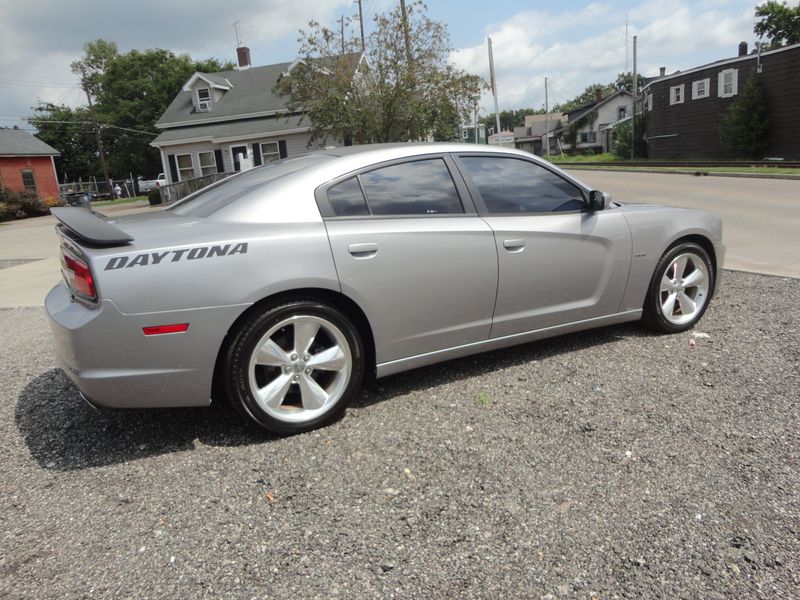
{"points": [[26, 164], [231, 121], [684, 109]]}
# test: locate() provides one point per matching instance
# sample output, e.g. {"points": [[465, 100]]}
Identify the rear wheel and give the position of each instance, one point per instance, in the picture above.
{"points": [[295, 366], [680, 289]]}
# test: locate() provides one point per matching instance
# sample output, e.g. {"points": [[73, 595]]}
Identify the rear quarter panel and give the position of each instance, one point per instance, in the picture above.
{"points": [[215, 264]]}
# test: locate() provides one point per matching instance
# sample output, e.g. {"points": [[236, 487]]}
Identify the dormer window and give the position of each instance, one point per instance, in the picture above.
{"points": [[203, 100]]}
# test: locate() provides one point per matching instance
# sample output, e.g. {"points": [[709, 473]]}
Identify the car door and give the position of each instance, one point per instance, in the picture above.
{"points": [[411, 250], [559, 262]]}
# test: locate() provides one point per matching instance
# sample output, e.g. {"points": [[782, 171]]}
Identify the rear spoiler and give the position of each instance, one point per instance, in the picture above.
{"points": [[90, 226]]}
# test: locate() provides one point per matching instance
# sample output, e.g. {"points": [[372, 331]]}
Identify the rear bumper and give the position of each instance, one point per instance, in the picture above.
{"points": [[113, 363]]}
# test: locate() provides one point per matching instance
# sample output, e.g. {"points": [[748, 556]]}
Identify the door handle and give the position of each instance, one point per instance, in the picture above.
{"points": [[514, 245], [367, 250]]}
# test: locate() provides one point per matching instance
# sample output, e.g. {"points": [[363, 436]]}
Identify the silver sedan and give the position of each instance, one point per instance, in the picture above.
{"points": [[283, 287]]}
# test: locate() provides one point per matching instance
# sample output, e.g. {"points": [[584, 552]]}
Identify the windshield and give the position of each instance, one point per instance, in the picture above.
{"points": [[211, 199]]}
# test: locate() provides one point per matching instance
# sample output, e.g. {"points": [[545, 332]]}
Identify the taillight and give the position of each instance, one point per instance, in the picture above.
{"points": [[78, 276]]}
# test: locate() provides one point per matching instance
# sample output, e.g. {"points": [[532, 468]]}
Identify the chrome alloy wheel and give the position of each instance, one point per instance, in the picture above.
{"points": [[300, 368], [684, 288]]}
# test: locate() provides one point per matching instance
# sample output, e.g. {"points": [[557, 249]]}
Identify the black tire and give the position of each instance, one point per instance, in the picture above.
{"points": [[653, 315], [240, 376]]}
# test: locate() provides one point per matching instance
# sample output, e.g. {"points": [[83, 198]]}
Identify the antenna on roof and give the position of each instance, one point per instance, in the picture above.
{"points": [[236, 29]]}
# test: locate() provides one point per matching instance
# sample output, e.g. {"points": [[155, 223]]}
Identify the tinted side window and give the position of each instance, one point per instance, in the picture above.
{"points": [[347, 199], [509, 185], [422, 187]]}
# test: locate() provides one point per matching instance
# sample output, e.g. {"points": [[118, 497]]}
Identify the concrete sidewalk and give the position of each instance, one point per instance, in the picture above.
{"points": [[29, 256]]}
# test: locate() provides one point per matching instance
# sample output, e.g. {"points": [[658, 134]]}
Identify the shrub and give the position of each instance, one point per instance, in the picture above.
{"points": [[622, 139], [745, 125], [15, 205]]}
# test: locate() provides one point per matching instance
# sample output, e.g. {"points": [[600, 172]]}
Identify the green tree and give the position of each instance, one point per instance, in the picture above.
{"points": [[68, 130], [403, 90], [624, 81], [588, 96], [509, 118], [622, 139], [779, 23], [745, 125], [97, 55], [129, 92], [136, 89]]}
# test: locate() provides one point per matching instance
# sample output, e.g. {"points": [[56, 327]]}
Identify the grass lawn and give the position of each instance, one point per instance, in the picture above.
{"points": [[745, 170], [582, 158], [581, 161]]}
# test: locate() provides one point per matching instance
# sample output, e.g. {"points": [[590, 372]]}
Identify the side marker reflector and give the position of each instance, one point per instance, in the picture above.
{"points": [[162, 329]]}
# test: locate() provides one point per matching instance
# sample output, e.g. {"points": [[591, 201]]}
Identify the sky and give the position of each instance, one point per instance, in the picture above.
{"points": [[573, 44]]}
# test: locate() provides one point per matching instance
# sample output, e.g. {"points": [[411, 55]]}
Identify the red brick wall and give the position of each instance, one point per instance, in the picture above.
{"points": [[11, 174]]}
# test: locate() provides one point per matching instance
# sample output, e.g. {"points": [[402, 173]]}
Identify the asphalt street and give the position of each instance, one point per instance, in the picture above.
{"points": [[761, 217], [608, 464]]}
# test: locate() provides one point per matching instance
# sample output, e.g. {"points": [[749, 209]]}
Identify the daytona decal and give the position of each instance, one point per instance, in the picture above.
{"points": [[196, 253]]}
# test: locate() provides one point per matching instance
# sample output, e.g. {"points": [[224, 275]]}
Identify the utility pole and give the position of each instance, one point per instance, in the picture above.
{"points": [[361, 22], [494, 90], [626, 42], [546, 121], [633, 117], [341, 26], [405, 31], [97, 137]]}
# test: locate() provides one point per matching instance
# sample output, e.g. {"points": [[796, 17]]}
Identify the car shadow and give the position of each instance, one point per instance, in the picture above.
{"points": [[64, 433]]}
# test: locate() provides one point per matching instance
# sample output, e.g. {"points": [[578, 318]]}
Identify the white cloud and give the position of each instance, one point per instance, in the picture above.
{"points": [[39, 40], [573, 54], [573, 46]]}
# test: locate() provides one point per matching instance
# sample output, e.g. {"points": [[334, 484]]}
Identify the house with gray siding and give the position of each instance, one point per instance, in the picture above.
{"points": [[230, 121], [593, 124]]}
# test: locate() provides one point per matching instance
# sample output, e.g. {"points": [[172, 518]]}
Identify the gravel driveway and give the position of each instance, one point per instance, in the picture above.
{"points": [[608, 464]]}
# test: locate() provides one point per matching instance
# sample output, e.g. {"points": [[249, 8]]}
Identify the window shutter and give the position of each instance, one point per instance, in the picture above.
{"points": [[257, 155], [219, 161], [282, 148], [720, 84], [173, 168], [735, 82]]}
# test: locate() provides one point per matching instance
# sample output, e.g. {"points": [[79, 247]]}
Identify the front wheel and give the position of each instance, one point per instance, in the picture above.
{"points": [[680, 289], [294, 367]]}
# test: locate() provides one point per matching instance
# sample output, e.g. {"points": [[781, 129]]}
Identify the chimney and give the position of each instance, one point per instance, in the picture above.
{"points": [[598, 94], [243, 54], [742, 48], [662, 71]]}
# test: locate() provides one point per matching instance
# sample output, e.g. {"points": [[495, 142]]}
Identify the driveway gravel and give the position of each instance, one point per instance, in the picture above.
{"points": [[608, 464]]}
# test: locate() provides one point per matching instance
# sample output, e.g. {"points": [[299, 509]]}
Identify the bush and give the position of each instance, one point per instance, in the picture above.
{"points": [[745, 125], [154, 197], [15, 205], [622, 139]]}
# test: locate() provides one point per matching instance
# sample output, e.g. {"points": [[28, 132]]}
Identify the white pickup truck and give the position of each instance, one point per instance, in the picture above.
{"points": [[148, 185]]}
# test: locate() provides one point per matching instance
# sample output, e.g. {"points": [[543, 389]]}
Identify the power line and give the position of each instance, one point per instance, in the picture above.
{"points": [[101, 125], [35, 83]]}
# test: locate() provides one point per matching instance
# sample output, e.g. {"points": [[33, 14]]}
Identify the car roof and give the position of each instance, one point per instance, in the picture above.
{"points": [[413, 148]]}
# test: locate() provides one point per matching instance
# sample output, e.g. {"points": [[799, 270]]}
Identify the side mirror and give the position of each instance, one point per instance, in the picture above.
{"points": [[598, 200]]}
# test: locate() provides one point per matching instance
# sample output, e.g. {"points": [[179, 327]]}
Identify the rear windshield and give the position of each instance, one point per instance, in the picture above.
{"points": [[211, 199]]}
